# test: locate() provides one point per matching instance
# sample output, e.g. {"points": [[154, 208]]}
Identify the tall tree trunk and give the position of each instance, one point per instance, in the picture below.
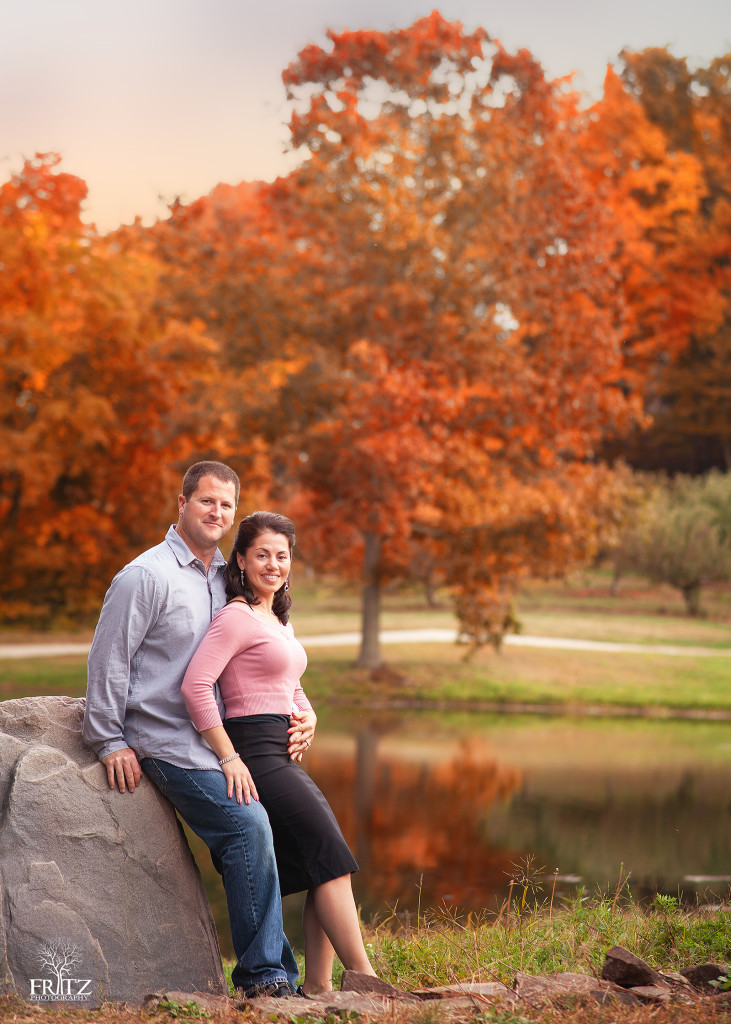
{"points": [[617, 575], [726, 448], [370, 648], [692, 596]]}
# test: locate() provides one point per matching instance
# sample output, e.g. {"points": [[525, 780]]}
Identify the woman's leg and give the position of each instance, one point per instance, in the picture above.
{"points": [[319, 953], [332, 920]]}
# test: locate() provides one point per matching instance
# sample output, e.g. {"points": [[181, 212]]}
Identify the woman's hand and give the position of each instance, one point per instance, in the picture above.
{"points": [[239, 781], [238, 777], [301, 731]]}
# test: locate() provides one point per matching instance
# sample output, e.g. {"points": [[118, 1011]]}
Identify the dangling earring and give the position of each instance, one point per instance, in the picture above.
{"points": [[243, 578], [286, 585]]}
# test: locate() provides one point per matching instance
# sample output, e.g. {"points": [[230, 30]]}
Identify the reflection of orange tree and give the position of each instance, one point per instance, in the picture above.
{"points": [[410, 819]]}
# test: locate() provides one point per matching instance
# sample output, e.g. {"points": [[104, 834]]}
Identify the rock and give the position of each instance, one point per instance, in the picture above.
{"points": [[338, 1005], [701, 976], [367, 984], [476, 990], [99, 883], [564, 987], [721, 1002], [676, 981], [627, 970], [651, 993]]}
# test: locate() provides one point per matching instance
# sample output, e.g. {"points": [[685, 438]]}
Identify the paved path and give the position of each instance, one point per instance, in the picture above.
{"points": [[410, 636]]}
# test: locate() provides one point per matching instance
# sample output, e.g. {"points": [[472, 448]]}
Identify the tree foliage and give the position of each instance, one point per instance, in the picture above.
{"points": [[688, 359], [417, 343], [98, 405], [470, 329], [682, 536]]}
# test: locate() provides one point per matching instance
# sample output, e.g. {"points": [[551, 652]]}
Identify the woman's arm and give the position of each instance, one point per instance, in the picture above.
{"points": [[225, 638], [237, 774]]}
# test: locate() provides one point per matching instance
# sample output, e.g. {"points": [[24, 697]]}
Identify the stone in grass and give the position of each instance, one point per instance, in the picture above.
{"points": [[337, 1004], [651, 993], [475, 990], [627, 970], [563, 988], [701, 976], [367, 984], [676, 981]]}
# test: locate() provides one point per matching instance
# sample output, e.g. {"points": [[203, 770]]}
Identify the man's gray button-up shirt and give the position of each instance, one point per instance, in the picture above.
{"points": [[154, 616]]}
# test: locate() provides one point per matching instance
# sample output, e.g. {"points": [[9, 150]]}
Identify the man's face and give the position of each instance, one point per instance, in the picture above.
{"points": [[207, 515]]}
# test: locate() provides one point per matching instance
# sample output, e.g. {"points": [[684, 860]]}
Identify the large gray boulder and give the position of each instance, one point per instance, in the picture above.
{"points": [[100, 898]]}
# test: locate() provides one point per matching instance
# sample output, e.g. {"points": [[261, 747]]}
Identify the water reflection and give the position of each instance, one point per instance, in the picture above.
{"points": [[415, 815], [439, 808]]}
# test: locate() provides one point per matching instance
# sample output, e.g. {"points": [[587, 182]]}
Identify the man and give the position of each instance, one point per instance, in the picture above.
{"points": [[154, 616]]}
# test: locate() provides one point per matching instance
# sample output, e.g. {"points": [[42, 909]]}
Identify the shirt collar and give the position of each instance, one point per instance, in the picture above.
{"points": [[183, 553]]}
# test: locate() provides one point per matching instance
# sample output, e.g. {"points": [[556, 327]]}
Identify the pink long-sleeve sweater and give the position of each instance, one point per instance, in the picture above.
{"points": [[257, 664]]}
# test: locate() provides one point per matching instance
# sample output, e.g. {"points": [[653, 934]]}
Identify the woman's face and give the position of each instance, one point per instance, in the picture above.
{"points": [[266, 563]]}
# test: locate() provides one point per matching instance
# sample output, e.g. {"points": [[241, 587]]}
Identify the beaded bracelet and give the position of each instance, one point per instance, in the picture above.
{"points": [[230, 757]]}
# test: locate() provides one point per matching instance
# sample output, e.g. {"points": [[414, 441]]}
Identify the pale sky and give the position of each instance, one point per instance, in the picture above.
{"points": [[157, 98]]}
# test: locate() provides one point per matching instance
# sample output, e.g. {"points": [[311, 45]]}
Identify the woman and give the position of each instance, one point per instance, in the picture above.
{"points": [[252, 651]]}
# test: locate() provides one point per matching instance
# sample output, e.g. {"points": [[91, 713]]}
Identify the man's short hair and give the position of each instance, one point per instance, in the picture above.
{"points": [[218, 470]]}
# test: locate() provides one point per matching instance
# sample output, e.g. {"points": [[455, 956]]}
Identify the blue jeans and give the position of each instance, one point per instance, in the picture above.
{"points": [[240, 840]]}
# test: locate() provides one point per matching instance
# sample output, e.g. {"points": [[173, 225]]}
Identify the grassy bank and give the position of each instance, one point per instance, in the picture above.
{"points": [[533, 934], [544, 939], [537, 939], [438, 674]]}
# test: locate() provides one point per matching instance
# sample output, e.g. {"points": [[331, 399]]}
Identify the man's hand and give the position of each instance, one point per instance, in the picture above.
{"points": [[123, 768], [302, 729]]}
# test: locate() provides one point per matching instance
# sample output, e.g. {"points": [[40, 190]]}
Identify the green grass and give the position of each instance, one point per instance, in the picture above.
{"points": [[435, 674], [619, 627], [31, 677], [540, 939], [438, 674], [581, 607]]}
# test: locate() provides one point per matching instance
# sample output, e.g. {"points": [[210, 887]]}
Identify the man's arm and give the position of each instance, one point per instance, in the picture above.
{"points": [[130, 608]]}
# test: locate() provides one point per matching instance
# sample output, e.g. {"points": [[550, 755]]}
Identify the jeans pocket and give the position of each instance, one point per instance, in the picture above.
{"points": [[156, 776]]}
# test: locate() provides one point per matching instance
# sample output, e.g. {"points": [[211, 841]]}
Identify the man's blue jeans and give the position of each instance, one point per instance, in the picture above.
{"points": [[240, 840]]}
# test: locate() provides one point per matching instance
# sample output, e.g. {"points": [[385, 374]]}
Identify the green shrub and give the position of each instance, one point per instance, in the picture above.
{"points": [[682, 535]]}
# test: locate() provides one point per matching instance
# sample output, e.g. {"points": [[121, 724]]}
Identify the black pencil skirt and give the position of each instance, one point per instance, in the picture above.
{"points": [[308, 843]]}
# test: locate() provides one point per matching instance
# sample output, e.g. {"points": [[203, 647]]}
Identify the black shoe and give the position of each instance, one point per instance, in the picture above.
{"points": [[299, 991], [271, 990]]}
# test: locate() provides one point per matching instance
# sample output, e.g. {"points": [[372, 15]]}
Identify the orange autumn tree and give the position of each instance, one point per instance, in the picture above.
{"points": [[226, 264], [655, 196], [687, 228], [459, 317], [99, 400]]}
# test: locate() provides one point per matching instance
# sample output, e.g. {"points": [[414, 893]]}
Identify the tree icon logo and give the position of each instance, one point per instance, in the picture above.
{"points": [[59, 959]]}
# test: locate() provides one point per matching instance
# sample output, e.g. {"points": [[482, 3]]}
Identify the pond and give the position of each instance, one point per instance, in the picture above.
{"points": [[442, 809]]}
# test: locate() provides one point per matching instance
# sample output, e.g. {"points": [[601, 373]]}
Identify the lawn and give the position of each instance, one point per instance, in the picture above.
{"points": [[449, 674]]}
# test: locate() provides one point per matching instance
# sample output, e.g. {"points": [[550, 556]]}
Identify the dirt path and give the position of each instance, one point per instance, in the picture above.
{"points": [[408, 636]]}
